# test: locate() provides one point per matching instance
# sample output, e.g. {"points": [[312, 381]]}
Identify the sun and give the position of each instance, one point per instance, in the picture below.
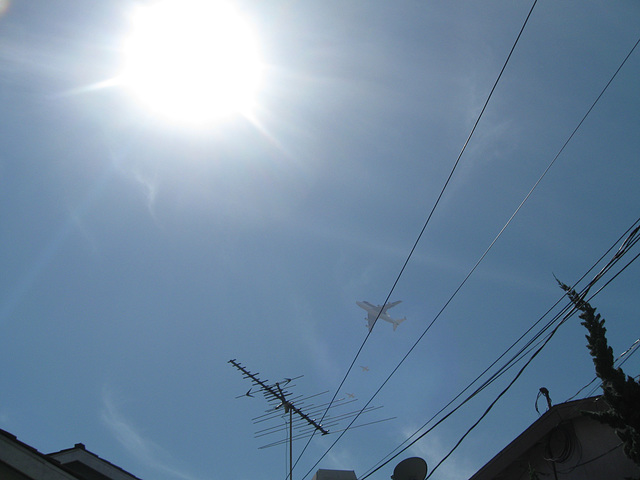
{"points": [[191, 60]]}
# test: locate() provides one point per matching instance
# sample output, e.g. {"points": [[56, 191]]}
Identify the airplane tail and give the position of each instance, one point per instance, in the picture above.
{"points": [[398, 322]]}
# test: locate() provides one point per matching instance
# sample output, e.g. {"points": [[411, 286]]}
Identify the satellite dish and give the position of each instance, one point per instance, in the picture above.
{"points": [[414, 468]]}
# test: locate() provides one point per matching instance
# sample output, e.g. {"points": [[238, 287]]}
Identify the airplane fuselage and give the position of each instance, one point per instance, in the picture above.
{"points": [[379, 311]]}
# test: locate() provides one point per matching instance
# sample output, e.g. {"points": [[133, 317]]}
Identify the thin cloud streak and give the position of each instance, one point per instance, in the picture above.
{"points": [[432, 450], [143, 449]]}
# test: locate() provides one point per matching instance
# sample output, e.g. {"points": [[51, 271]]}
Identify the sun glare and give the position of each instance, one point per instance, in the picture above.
{"points": [[191, 60]]}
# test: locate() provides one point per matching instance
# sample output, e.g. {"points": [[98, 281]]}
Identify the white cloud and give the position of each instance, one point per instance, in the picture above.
{"points": [[432, 449], [150, 190], [76, 220], [143, 449], [341, 459]]}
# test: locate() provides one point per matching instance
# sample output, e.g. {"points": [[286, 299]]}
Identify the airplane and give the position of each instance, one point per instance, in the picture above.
{"points": [[376, 311], [364, 369]]}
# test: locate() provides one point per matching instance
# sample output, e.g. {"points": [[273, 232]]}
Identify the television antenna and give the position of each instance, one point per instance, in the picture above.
{"points": [[275, 392], [301, 423]]}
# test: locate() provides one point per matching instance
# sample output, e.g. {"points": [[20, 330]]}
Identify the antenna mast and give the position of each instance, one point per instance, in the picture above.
{"points": [[275, 392]]}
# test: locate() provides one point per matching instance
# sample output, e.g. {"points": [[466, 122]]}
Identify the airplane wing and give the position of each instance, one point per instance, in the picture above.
{"points": [[389, 305], [365, 305], [371, 320]]}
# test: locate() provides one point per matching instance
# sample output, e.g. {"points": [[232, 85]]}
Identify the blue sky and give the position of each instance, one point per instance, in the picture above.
{"points": [[138, 256]]}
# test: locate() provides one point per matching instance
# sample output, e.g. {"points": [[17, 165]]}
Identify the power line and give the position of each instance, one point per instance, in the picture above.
{"points": [[566, 312], [626, 354], [620, 252], [521, 354], [490, 246], [628, 234], [544, 344], [424, 227]]}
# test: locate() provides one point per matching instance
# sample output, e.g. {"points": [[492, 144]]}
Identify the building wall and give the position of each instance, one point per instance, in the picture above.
{"points": [[579, 449], [8, 473]]}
